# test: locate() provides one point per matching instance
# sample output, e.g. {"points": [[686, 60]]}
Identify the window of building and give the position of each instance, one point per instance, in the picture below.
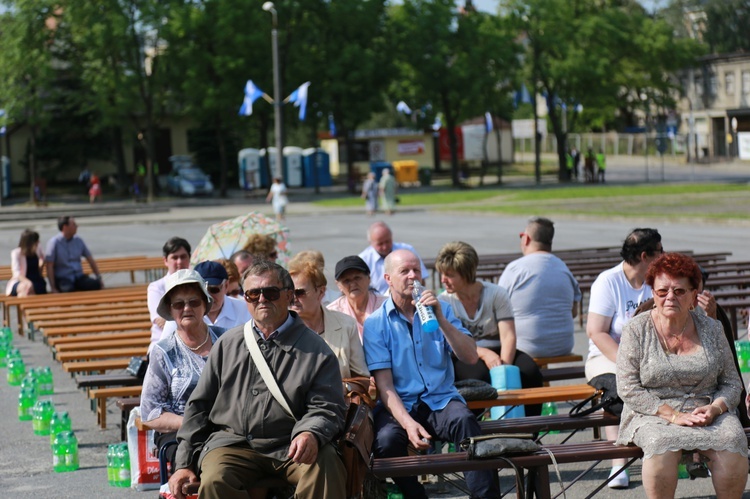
{"points": [[746, 82], [713, 85], [698, 86], [729, 83]]}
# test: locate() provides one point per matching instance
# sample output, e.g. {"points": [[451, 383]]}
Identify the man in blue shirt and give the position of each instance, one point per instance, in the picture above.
{"points": [[414, 375], [63, 260]]}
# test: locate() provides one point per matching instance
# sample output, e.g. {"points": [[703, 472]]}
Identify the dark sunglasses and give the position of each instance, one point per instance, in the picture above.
{"points": [[300, 292], [214, 290], [192, 303], [271, 293], [678, 292], [235, 293]]}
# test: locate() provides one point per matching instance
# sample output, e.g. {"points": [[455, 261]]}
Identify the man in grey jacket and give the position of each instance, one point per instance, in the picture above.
{"points": [[235, 433]]}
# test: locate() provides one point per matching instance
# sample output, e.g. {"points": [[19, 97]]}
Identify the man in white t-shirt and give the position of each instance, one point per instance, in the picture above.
{"points": [[543, 292], [226, 312], [381, 245], [176, 257]]}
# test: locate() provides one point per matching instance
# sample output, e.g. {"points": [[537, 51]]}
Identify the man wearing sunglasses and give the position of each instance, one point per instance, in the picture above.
{"points": [[226, 312], [235, 432]]}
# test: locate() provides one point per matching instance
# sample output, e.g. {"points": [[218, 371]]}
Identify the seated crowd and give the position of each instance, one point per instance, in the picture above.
{"points": [[249, 361]]}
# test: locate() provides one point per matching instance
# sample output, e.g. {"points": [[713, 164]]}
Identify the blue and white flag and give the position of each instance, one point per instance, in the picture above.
{"points": [[522, 96], [331, 125], [252, 93], [2, 128], [299, 98], [488, 122], [402, 107]]}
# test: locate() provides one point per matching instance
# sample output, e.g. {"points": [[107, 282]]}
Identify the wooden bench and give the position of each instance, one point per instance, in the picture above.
{"points": [[83, 338], [543, 362], [103, 344], [563, 373], [105, 353], [539, 395], [102, 317], [100, 396], [95, 366], [96, 328], [126, 404], [107, 380]]}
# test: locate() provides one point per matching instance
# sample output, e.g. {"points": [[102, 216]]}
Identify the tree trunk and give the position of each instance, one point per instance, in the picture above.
{"points": [[32, 162], [118, 155], [222, 158]]}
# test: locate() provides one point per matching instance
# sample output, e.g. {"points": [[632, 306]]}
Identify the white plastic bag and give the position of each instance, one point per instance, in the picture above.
{"points": [[144, 460]]}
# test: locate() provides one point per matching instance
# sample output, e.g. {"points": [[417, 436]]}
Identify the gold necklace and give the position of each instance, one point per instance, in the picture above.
{"points": [[666, 336], [199, 346]]}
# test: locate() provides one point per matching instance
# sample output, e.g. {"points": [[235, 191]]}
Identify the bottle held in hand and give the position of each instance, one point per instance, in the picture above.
{"points": [[426, 314]]}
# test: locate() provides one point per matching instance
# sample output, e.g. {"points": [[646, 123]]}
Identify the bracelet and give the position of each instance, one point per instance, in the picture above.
{"points": [[674, 416], [721, 411]]}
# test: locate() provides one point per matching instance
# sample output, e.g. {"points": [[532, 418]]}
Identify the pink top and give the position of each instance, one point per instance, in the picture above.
{"points": [[341, 304]]}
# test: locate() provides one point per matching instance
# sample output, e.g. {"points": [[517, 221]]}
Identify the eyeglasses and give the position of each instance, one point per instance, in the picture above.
{"points": [[234, 293], [271, 293], [214, 290], [192, 303], [678, 292], [300, 292]]}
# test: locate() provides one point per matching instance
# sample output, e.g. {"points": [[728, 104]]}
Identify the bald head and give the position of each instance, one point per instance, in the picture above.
{"points": [[381, 238]]}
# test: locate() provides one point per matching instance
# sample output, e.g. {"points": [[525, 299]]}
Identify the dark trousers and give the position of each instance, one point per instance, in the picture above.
{"points": [[531, 376], [80, 283], [450, 424]]}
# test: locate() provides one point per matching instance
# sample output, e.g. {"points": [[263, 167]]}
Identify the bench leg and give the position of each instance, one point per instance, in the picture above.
{"points": [[538, 480], [101, 412]]}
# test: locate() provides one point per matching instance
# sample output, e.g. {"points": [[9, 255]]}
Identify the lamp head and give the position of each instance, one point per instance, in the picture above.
{"points": [[268, 6]]}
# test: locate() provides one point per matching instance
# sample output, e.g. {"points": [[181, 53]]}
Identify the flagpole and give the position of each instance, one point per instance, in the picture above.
{"points": [[277, 102]]}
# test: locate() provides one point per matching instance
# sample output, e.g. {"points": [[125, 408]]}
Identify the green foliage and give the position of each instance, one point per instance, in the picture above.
{"points": [[726, 25]]}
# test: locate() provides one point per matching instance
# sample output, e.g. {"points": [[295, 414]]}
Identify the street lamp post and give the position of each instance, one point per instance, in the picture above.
{"points": [[277, 103]]}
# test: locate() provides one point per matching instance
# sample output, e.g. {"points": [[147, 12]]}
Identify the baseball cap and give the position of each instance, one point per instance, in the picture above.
{"points": [[351, 262], [213, 273]]}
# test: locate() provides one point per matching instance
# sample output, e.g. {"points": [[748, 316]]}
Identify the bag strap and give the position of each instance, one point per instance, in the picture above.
{"points": [[578, 410], [263, 369]]}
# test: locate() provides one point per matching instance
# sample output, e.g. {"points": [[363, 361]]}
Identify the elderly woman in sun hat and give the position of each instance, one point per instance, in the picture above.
{"points": [[176, 361]]}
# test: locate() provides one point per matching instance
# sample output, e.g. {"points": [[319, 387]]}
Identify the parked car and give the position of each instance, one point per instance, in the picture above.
{"points": [[189, 181]]}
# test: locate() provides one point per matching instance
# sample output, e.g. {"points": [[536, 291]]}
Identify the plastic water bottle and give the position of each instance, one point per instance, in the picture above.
{"points": [[58, 453], [123, 471], [71, 451], [42, 414], [6, 335], [45, 380], [682, 471], [394, 492], [426, 314], [26, 401], [4, 347], [58, 423], [30, 381], [16, 371], [112, 465], [550, 409], [13, 353]]}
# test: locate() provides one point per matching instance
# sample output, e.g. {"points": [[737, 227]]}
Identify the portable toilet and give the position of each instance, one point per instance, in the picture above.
{"points": [[249, 163], [266, 178], [316, 165], [377, 168], [293, 166]]}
